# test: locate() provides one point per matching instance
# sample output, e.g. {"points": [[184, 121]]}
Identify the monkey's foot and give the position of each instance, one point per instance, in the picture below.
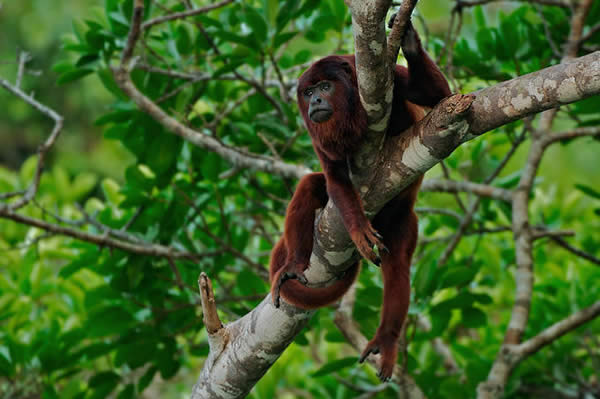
{"points": [[365, 240], [410, 41], [283, 277], [386, 346]]}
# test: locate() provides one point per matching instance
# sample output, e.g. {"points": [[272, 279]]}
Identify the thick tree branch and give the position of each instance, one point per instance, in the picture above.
{"points": [[373, 68], [538, 91]]}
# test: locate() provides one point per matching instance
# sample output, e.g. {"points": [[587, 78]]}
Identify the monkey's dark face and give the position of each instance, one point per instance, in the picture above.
{"points": [[318, 97]]}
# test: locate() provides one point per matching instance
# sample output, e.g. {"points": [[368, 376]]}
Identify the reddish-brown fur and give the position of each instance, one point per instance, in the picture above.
{"points": [[334, 141]]}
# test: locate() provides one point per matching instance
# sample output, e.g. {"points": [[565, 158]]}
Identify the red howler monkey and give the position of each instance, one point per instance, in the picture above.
{"points": [[329, 101]]}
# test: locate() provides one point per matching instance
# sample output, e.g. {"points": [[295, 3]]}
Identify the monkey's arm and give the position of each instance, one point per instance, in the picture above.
{"points": [[346, 199]]}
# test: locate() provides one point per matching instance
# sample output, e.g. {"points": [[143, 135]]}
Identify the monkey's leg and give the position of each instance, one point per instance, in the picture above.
{"points": [[399, 228]]}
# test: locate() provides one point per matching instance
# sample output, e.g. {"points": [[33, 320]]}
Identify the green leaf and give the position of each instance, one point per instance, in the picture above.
{"points": [[73, 75], [425, 280], [127, 393], [282, 38], [458, 276], [109, 320], [587, 190], [147, 378], [87, 59], [211, 166], [335, 365], [184, 41], [473, 317], [108, 81], [82, 185], [86, 259], [119, 116], [479, 17], [246, 41], [102, 384], [257, 23], [6, 366], [111, 191], [286, 13], [28, 169], [440, 318]]}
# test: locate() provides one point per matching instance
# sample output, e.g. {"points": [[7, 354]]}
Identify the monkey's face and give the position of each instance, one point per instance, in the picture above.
{"points": [[318, 97]]}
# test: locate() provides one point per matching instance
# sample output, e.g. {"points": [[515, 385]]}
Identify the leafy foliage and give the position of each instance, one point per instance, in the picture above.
{"points": [[82, 321]]}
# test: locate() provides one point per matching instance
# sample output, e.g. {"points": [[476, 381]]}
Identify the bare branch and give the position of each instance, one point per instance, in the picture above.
{"points": [[544, 89], [42, 150], [211, 319], [103, 240], [563, 243], [555, 3], [401, 18], [557, 330], [24, 58], [185, 14], [588, 131], [451, 186]]}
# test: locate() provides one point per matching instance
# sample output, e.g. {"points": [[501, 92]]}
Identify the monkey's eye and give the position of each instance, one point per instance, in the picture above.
{"points": [[325, 86], [308, 92]]}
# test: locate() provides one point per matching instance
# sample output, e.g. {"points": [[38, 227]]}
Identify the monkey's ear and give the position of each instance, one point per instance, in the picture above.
{"points": [[346, 67]]}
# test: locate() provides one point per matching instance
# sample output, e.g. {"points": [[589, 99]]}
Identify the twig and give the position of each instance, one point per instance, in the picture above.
{"points": [[102, 240], [450, 186], [587, 256], [210, 316], [44, 147], [593, 30], [557, 330], [184, 14], [402, 17], [24, 58]]}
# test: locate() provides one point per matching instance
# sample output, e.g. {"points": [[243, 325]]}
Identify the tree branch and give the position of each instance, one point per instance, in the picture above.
{"points": [[235, 156], [31, 191]]}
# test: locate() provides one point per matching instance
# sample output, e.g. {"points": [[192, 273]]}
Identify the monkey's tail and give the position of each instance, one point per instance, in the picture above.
{"points": [[305, 297]]}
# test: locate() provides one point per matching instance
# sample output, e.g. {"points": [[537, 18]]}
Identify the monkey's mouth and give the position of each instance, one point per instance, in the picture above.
{"points": [[319, 115]]}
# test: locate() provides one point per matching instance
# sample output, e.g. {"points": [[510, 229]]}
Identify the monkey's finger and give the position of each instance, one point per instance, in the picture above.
{"points": [[364, 356], [391, 21], [276, 301], [301, 278], [376, 234], [370, 255]]}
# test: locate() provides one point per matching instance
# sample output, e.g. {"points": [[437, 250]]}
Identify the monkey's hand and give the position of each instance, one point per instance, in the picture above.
{"points": [[365, 239], [291, 271], [411, 44], [387, 347]]}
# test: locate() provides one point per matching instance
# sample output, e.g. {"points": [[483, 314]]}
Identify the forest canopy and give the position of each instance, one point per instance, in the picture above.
{"points": [[138, 151]]}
